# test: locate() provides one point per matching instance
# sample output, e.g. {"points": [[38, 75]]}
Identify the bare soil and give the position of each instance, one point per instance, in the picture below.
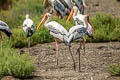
{"points": [[95, 63], [103, 6]]}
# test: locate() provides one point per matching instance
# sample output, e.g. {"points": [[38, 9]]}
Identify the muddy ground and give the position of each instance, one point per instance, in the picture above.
{"points": [[98, 58], [95, 63], [103, 6]]}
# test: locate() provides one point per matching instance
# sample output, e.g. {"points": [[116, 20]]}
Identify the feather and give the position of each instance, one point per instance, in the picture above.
{"points": [[28, 27], [5, 28]]}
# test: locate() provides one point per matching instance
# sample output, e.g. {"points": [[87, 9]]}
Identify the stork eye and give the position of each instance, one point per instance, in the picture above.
{"points": [[25, 25]]}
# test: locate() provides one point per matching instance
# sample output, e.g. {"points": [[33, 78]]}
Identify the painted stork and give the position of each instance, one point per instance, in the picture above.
{"points": [[28, 28], [78, 32], [78, 21], [57, 31], [4, 28], [61, 7], [80, 4]]}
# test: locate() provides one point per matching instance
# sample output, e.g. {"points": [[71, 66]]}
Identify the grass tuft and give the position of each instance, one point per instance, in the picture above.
{"points": [[114, 70], [14, 64]]}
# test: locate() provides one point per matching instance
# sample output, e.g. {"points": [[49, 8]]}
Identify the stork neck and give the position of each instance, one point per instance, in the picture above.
{"points": [[75, 12], [86, 24], [46, 22]]}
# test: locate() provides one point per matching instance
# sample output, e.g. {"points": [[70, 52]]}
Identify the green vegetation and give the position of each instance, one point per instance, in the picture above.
{"points": [[14, 64], [107, 27], [114, 70]]}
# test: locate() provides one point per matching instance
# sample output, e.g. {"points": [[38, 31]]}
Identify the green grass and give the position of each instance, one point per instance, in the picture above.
{"points": [[107, 29], [14, 64], [114, 70]]}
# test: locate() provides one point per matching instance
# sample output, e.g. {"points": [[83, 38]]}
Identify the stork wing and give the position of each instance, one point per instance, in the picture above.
{"points": [[56, 28], [79, 22], [64, 3], [59, 7], [79, 4], [5, 28], [28, 27], [76, 32]]}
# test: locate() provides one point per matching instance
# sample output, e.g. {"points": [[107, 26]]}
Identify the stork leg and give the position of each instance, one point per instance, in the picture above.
{"points": [[84, 42], [28, 45], [78, 50], [1, 41], [72, 58], [57, 51]]}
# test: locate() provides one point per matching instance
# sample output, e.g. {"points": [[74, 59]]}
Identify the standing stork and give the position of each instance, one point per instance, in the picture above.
{"points": [[78, 21], [4, 28], [78, 32], [61, 7], [28, 27], [57, 31]]}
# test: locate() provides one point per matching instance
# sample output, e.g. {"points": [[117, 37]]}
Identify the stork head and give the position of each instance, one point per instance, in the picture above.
{"points": [[46, 16], [27, 16], [72, 13]]}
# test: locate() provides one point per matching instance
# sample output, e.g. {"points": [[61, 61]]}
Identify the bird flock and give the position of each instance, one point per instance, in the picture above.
{"points": [[69, 8]]}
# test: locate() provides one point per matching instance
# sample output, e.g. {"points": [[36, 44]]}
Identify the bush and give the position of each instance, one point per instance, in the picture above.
{"points": [[14, 64], [114, 70], [106, 27], [14, 17]]}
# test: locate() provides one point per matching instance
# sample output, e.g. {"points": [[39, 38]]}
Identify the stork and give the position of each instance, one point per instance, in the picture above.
{"points": [[57, 31], [78, 21], [4, 28], [28, 28], [78, 32], [80, 4], [62, 7]]}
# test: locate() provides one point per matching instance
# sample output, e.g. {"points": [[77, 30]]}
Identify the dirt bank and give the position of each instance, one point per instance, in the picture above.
{"points": [[99, 56]]}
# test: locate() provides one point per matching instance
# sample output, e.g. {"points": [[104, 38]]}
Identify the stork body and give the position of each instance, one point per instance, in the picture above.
{"points": [[78, 21], [4, 28], [57, 31], [28, 28], [61, 7], [78, 32], [78, 18]]}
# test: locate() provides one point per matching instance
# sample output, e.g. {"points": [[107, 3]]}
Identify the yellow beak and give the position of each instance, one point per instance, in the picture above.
{"points": [[71, 13], [44, 2], [42, 21], [91, 24]]}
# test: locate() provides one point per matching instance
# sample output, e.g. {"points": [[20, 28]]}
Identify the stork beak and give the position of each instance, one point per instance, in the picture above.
{"points": [[71, 13], [42, 21], [91, 24], [44, 2]]}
